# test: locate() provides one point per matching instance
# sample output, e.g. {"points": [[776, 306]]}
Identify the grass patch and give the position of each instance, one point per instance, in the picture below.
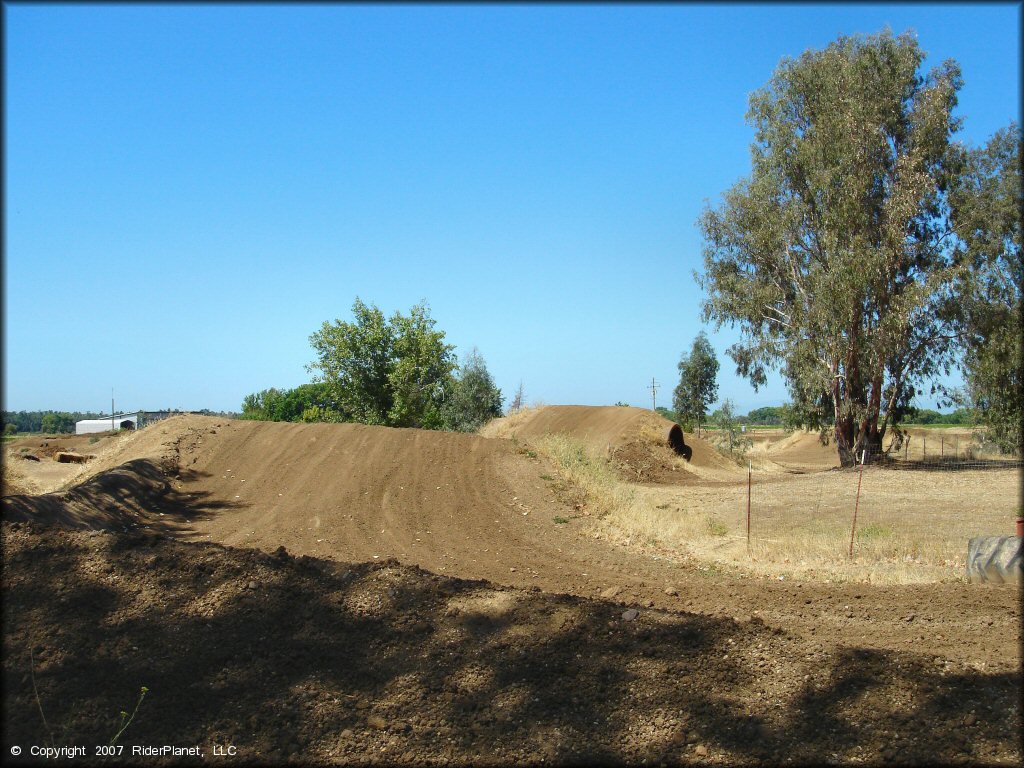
{"points": [[874, 531], [592, 485], [716, 527], [561, 520]]}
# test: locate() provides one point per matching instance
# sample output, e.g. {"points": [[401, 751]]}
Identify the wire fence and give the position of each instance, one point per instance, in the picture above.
{"points": [[889, 510], [939, 452]]}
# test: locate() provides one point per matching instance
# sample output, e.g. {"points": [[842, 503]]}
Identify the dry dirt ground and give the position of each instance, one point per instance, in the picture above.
{"points": [[342, 593]]}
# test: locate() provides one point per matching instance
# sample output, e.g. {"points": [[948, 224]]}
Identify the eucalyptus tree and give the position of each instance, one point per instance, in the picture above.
{"points": [[698, 382], [986, 202], [833, 257]]}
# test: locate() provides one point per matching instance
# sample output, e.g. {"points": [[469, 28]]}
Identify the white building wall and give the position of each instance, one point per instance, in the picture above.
{"points": [[89, 426]]}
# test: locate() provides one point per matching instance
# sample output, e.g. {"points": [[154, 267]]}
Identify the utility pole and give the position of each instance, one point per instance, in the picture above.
{"points": [[111, 409], [654, 394]]}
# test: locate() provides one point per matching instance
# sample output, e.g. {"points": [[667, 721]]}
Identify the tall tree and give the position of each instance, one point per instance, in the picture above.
{"points": [[730, 435], [832, 257], [698, 382], [389, 372], [517, 403], [473, 399], [986, 202]]}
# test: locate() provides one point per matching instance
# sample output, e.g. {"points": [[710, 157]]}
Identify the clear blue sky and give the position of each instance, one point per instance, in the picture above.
{"points": [[192, 190]]}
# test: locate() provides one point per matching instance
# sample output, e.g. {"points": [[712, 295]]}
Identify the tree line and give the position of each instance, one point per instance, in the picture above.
{"points": [[395, 372], [50, 422], [783, 416], [868, 253]]}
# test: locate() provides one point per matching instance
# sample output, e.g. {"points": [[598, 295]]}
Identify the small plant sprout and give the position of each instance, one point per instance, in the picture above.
{"points": [[126, 720]]}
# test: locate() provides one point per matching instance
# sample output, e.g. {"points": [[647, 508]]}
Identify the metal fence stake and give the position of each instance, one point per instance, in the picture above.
{"points": [[749, 471], [856, 506]]}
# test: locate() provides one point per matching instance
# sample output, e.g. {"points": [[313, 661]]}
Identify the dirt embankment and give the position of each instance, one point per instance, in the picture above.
{"points": [[379, 639], [632, 438]]}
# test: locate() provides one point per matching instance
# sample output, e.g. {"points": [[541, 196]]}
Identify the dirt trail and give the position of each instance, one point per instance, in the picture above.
{"points": [[482, 508], [336, 593], [805, 451]]}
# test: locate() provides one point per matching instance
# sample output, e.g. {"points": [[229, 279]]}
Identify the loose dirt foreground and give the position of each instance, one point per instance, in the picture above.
{"points": [[340, 593]]}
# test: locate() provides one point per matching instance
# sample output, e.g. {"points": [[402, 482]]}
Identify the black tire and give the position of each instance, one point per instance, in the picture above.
{"points": [[995, 559]]}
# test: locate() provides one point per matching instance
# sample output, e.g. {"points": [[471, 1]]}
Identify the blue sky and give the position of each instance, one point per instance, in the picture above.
{"points": [[193, 190]]}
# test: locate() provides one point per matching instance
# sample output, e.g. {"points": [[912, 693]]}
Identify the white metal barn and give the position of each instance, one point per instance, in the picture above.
{"points": [[119, 421]]}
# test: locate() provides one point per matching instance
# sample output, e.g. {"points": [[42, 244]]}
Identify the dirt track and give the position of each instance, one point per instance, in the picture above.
{"points": [[478, 508]]}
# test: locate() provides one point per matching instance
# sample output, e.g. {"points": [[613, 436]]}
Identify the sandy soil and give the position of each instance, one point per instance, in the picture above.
{"points": [[336, 593], [41, 473]]}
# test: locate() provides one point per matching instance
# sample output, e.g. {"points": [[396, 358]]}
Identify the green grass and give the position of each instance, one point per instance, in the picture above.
{"points": [[873, 531], [717, 527]]}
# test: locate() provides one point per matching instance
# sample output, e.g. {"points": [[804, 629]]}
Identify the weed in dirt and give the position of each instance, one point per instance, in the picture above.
{"points": [[35, 691], [559, 520], [126, 719]]}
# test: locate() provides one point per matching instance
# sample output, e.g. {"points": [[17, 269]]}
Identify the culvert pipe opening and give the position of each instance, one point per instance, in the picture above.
{"points": [[674, 438]]}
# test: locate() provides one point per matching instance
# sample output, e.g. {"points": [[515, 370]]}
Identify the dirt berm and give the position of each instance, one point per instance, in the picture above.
{"points": [[349, 594], [611, 430]]}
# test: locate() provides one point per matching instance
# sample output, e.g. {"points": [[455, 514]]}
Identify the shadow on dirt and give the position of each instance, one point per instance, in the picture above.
{"points": [[316, 661], [134, 495]]}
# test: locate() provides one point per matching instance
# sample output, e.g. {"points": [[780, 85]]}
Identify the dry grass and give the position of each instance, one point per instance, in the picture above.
{"points": [[912, 527], [599, 490], [506, 425]]}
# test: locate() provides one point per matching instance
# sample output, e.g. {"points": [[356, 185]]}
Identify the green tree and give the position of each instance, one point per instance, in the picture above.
{"points": [[698, 384], [832, 256], [769, 416], [730, 436], [262, 406], [421, 372], [986, 204], [389, 372], [307, 402], [54, 422], [473, 399]]}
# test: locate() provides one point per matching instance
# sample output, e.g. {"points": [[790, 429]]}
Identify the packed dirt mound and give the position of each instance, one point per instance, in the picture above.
{"points": [[15, 480], [707, 456], [134, 495], [601, 427], [636, 436], [315, 661], [803, 450]]}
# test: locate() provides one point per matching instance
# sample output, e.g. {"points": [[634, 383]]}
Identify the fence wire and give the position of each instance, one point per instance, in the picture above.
{"points": [[920, 508]]}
